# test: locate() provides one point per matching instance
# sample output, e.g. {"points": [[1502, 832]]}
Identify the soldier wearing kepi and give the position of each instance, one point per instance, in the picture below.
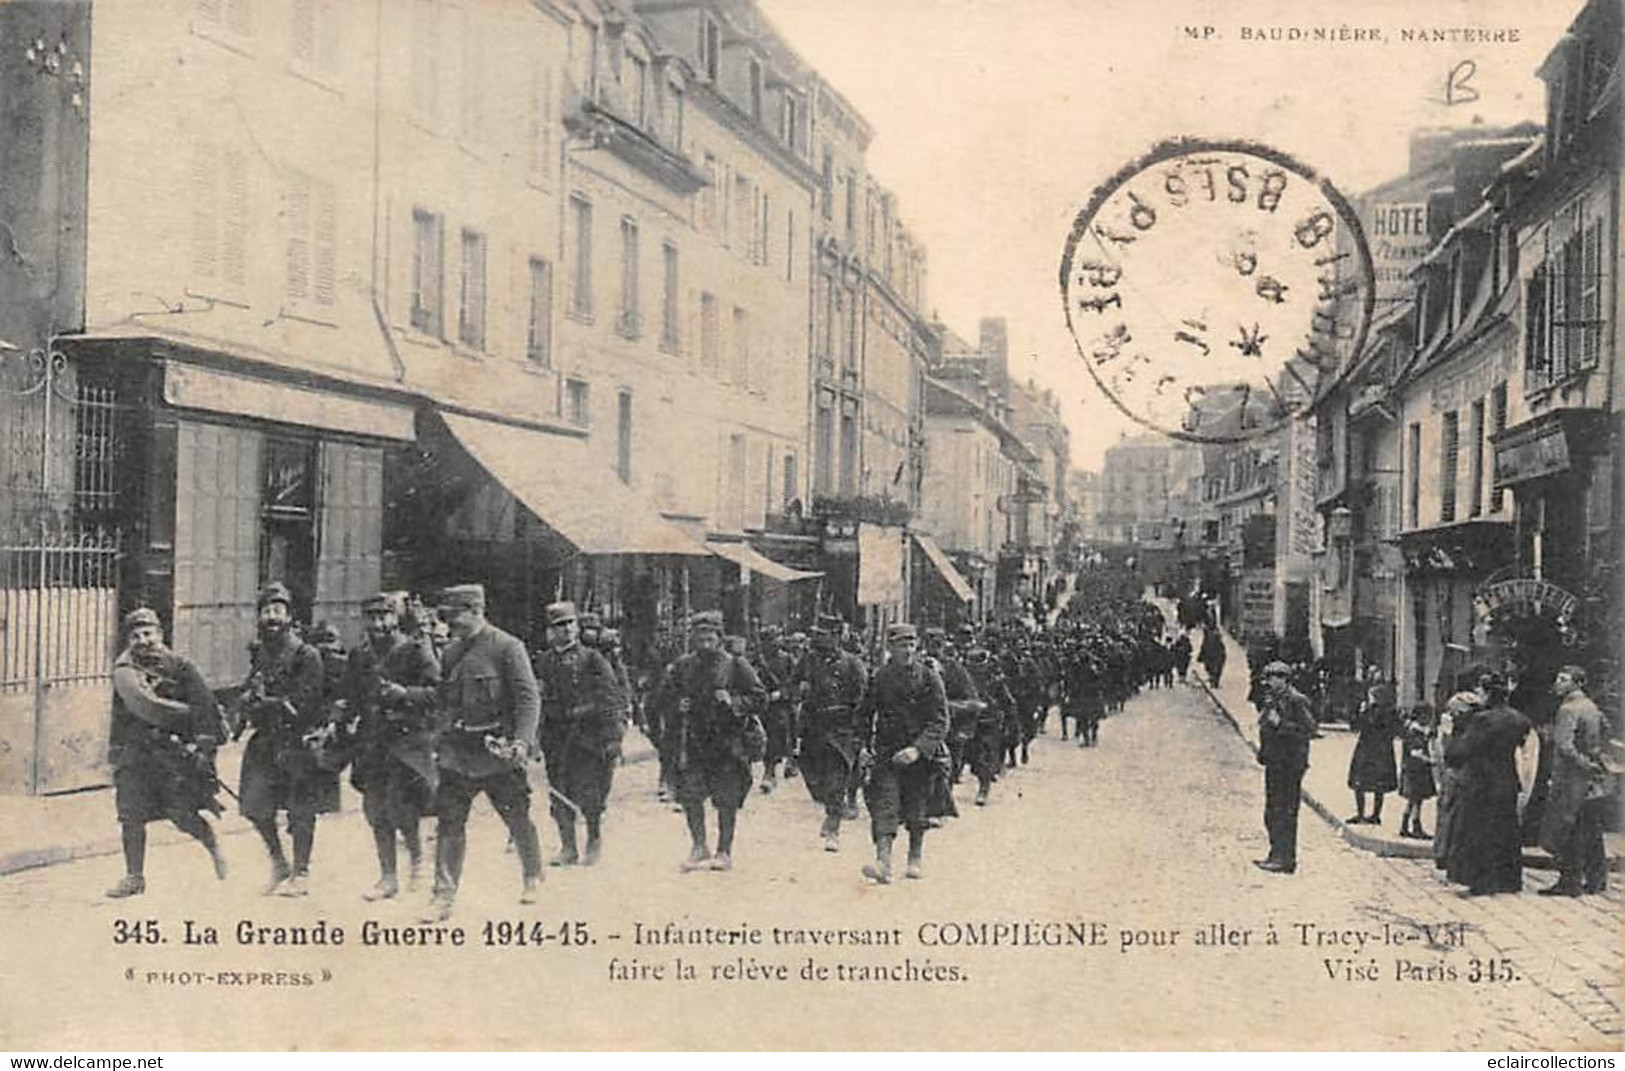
{"points": [[831, 687], [165, 730], [392, 683], [777, 670], [489, 708], [906, 720], [282, 703], [580, 733], [711, 697]]}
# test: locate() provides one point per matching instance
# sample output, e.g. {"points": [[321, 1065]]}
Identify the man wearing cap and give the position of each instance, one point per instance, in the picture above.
{"points": [[580, 733], [987, 746], [282, 702], [831, 687], [1285, 726], [165, 730], [391, 688], [905, 719], [963, 702], [489, 709], [777, 671], [709, 696]]}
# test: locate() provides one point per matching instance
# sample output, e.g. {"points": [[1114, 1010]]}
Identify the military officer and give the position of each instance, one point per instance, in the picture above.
{"points": [[582, 705], [393, 679], [710, 697], [165, 730], [905, 718], [282, 703], [831, 688], [489, 709]]}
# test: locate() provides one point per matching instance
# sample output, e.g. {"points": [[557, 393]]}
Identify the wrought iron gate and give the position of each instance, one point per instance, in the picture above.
{"points": [[59, 570]]}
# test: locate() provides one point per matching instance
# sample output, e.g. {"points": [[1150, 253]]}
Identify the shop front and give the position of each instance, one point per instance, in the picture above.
{"points": [[1444, 567]]}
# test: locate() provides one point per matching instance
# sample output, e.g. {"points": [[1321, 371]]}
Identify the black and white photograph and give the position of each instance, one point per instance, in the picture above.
{"points": [[764, 525]]}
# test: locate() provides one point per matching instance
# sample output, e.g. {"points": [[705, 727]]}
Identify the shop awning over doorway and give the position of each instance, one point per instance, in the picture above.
{"points": [[556, 480], [747, 557], [960, 586]]}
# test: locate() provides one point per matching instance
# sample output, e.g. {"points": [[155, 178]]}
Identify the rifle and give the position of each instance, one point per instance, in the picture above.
{"points": [[189, 753]]}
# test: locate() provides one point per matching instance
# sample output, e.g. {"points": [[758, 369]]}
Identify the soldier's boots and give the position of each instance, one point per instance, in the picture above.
{"points": [[851, 811], [981, 794], [770, 781], [831, 832], [280, 872], [595, 850], [699, 857], [879, 871], [388, 888], [915, 869], [722, 861], [531, 889], [414, 875], [296, 887], [439, 909], [791, 771], [568, 856], [129, 885]]}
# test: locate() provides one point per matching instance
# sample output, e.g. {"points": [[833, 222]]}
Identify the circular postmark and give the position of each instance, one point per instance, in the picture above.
{"points": [[1214, 287]]}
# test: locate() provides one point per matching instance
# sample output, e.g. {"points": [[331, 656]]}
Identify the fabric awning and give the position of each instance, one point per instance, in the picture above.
{"points": [[961, 587], [747, 557], [555, 478]]}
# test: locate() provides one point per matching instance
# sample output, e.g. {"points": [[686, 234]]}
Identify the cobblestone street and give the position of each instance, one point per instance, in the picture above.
{"points": [[1146, 840]]}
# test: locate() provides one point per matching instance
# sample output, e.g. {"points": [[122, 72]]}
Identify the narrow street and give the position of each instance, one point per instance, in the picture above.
{"points": [[1144, 841]]}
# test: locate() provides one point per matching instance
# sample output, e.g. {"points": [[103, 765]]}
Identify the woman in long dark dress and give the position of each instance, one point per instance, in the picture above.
{"points": [[1371, 768], [1487, 850]]}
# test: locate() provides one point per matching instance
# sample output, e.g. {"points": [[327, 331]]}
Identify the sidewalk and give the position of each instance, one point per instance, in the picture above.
{"points": [[47, 830], [1325, 785]]}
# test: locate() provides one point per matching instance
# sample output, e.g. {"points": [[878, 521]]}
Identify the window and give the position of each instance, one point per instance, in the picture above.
{"points": [[623, 436], [755, 92], [741, 208], [426, 272], [638, 91], [734, 509], [1475, 461], [676, 117], [425, 62], [792, 484], [577, 402], [581, 283], [823, 444], [668, 304], [1451, 433], [1585, 349], [710, 48], [851, 205], [742, 370], [790, 247], [1413, 490], [708, 334], [219, 232], [539, 318], [1537, 365], [828, 183], [768, 490], [313, 35], [710, 218], [471, 117], [539, 130], [471, 298], [764, 229], [1498, 424], [309, 216], [788, 123], [849, 453], [236, 16], [630, 323]]}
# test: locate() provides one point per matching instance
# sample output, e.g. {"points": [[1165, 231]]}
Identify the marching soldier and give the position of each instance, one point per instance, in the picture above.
{"points": [[831, 688], [711, 698], [489, 708], [777, 671], [165, 730], [987, 746], [906, 724], [582, 707], [282, 770], [393, 678]]}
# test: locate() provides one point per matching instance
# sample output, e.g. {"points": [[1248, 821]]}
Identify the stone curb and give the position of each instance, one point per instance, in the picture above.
{"points": [[54, 855], [1381, 846]]}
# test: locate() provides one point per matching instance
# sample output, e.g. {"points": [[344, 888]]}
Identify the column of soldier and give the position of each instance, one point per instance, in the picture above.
{"points": [[435, 707]]}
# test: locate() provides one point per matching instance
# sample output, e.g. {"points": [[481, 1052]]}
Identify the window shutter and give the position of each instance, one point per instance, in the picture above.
{"points": [[205, 216], [1590, 290], [325, 243], [234, 221], [296, 218]]}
